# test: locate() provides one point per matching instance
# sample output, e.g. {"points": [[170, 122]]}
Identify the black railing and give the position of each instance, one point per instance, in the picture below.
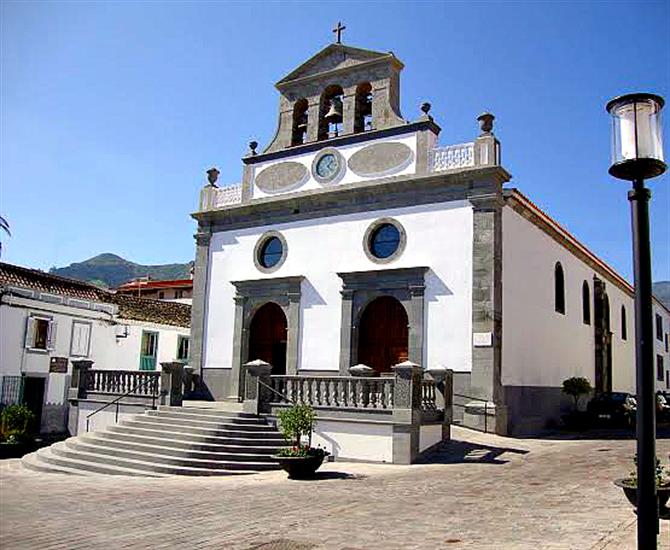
{"points": [[464, 406], [153, 388]]}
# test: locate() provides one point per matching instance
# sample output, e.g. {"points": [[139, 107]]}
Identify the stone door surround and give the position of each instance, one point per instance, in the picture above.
{"points": [[250, 296], [359, 288]]}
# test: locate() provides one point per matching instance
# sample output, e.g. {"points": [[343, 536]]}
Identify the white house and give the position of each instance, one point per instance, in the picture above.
{"points": [[355, 238], [47, 321]]}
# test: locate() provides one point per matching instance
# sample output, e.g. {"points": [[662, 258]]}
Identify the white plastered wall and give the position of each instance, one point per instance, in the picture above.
{"points": [[542, 347], [367, 441], [439, 236]]}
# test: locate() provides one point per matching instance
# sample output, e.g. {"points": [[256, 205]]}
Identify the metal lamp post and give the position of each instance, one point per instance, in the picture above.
{"points": [[637, 154]]}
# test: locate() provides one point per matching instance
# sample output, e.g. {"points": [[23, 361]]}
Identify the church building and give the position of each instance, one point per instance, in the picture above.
{"points": [[356, 238]]}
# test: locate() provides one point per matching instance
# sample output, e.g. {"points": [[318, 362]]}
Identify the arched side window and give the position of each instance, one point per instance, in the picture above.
{"points": [[624, 324], [559, 289], [363, 108], [299, 135], [606, 312], [330, 112], [586, 303]]}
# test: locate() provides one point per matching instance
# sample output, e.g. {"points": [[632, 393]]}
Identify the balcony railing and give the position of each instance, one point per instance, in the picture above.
{"points": [[121, 382], [452, 157], [217, 197]]}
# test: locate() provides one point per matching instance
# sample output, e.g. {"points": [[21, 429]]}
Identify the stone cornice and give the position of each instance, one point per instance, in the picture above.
{"points": [[348, 139]]}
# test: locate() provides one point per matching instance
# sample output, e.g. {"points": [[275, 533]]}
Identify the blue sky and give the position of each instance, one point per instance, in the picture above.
{"points": [[112, 111]]}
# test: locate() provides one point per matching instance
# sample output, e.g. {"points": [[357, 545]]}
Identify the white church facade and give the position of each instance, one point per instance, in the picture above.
{"points": [[354, 238]]}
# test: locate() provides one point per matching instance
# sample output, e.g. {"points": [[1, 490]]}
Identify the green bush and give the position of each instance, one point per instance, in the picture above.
{"points": [[295, 422], [576, 387], [15, 422]]}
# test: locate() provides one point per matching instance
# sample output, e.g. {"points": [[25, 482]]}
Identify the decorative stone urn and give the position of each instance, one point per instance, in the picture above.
{"points": [[361, 370]]}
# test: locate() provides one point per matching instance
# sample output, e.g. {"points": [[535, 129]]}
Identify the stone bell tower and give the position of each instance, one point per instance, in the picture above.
{"points": [[340, 91]]}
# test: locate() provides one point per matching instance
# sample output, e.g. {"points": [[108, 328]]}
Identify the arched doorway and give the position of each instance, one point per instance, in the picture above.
{"points": [[603, 340], [267, 337], [383, 334]]}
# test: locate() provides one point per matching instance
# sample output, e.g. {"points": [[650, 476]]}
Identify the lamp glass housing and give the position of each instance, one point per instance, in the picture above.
{"points": [[637, 141]]}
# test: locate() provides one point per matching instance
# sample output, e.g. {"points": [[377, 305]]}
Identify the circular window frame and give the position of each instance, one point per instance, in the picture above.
{"points": [[342, 166], [367, 248], [258, 249]]}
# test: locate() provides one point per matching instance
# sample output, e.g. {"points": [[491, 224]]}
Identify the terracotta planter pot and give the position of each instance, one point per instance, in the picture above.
{"points": [[299, 467], [663, 495]]}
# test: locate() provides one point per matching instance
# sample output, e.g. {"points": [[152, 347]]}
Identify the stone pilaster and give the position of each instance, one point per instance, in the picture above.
{"points": [[199, 302]]}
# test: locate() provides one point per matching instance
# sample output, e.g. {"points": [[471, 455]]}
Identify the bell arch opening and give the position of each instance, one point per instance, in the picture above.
{"points": [[268, 337], [383, 334], [331, 112]]}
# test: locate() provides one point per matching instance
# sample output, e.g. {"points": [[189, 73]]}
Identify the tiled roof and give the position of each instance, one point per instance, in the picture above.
{"points": [[148, 285], [130, 307]]}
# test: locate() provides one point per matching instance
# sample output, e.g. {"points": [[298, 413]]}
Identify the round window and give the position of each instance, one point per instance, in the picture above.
{"points": [[384, 241], [271, 252]]}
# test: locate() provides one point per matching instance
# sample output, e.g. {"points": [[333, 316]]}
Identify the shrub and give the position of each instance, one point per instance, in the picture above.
{"points": [[576, 387], [295, 422], [15, 422]]}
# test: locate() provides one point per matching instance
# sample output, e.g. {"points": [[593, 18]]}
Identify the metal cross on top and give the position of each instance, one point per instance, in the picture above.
{"points": [[338, 31]]}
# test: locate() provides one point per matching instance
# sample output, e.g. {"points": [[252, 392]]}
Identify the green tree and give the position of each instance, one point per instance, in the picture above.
{"points": [[576, 387]]}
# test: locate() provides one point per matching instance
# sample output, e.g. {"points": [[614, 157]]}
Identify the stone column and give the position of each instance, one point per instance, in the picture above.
{"points": [[199, 302], [416, 318], [240, 347], [406, 412], [172, 383], [256, 396]]}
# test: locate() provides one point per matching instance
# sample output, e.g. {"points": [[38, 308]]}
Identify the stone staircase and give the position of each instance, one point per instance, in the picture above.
{"points": [[168, 441]]}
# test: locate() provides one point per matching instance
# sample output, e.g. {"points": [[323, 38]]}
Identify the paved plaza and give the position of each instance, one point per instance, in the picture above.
{"points": [[483, 491]]}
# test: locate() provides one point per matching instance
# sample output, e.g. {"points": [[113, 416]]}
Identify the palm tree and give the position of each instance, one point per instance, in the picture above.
{"points": [[4, 225]]}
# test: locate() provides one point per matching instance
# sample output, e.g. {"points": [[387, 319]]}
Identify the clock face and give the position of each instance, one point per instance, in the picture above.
{"points": [[327, 166]]}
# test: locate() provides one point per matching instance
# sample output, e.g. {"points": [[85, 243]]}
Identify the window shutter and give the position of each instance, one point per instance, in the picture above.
{"points": [[51, 335], [30, 333]]}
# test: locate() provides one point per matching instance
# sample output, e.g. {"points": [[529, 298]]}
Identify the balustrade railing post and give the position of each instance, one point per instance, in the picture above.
{"points": [[79, 381], [172, 383], [256, 395], [407, 394]]}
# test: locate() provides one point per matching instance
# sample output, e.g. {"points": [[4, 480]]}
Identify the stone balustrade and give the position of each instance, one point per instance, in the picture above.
{"points": [[339, 392], [428, 395], [452, 157], [212, 197], [119, 382]]}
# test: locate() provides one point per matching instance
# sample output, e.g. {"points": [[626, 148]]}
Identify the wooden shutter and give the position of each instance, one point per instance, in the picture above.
{"points": [[29, 340], [51, 335]]}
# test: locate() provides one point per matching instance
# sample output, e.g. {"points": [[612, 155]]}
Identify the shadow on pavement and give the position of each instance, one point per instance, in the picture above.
{"points": [[662, 432], [459, 452], [335, 475]]}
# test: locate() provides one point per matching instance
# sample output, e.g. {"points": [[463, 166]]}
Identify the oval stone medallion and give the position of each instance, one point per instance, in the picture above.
{"points": [[380, 159], [283, 176]]}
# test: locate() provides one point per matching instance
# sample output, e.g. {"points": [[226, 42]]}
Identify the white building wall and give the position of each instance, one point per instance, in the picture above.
{"points": [[540, 346], [439, 236]]}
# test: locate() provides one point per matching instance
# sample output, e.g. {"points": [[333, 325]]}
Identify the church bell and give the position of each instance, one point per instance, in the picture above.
{"points": [[334, 114]]}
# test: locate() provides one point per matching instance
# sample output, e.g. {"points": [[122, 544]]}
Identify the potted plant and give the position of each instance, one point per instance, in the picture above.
{"points": [[629, 486], [576, 387], [15, 437], [300, 461]]}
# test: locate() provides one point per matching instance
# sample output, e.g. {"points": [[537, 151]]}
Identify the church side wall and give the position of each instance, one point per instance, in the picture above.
{"points": [[439, 236], [541, 347]]}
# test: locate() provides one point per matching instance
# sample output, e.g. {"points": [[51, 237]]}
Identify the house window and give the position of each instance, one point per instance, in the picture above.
{"points": [[148, 350], [559, 289], [161, 295], [660, 371], [178, 294], [183, 344], [80, 340], [624, 327], [659, 327], [40, 333], [586, 303]]}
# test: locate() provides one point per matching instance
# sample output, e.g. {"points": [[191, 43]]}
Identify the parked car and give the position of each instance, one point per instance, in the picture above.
{"points": [[663, 406], [613, 409]]}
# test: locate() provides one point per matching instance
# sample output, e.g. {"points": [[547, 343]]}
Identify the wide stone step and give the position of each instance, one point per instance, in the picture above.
{"points": [[257, 439], [221, 431], [242, 455], [147, 464], [51, 458], [112, 454], [207, 411], [198, 422], [255, 446], [230, 419], [33, 462]]}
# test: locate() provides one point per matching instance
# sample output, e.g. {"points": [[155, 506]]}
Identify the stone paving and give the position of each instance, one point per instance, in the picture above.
{"points": [[484, 492]]}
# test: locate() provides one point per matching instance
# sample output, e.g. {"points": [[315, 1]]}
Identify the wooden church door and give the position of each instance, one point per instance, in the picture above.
{"points": [[383, 334], [267, 337]]}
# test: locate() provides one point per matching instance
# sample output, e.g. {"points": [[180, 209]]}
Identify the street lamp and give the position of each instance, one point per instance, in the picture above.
{"points": [[637, 153]]}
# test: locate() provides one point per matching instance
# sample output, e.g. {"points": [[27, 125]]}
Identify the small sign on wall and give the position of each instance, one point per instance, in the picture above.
{"points": [[58, 364], [482, 339]]}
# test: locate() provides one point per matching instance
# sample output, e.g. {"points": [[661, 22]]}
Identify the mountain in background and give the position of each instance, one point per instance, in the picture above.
{"points": [[111, 270], [661, 290]]}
